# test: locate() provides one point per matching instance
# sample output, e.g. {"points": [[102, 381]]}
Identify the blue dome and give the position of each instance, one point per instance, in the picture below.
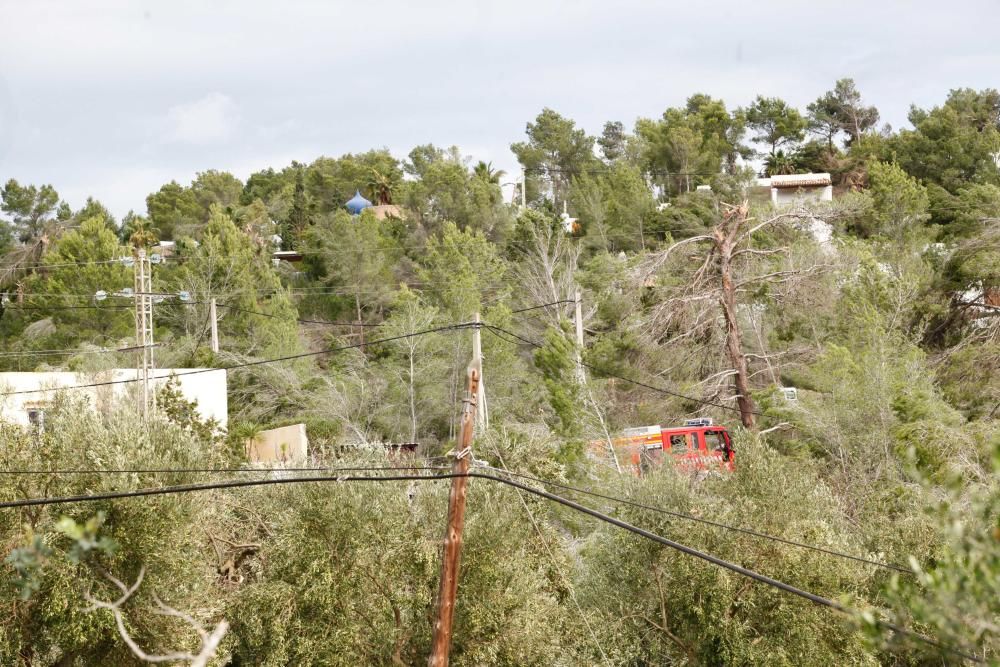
{"points": [[357, 203]]}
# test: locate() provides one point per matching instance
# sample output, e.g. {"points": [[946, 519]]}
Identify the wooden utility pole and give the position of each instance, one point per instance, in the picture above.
{"points": [[451, 556], [213, 316]]}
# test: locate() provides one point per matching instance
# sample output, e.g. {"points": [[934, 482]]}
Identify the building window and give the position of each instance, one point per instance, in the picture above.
{"points": [[716, 442], [36, 417]]}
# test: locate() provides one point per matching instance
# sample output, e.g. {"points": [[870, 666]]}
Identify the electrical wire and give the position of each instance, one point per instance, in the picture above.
{"points": [[259, 362], [48, 353], [150, 471], [371, 324], [733, 567], [543, 305], [497, 331], [95, 306], [301, 321], [208, 486], [691, 517], [677, 546]]}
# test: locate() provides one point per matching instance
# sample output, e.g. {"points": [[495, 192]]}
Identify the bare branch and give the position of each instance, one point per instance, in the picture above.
{"points": [[755, 251], [796, 214], [661, 257], [209, 644], [782, 274]]}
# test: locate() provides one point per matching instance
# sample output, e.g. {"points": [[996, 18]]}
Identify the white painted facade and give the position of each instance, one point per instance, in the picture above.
{"points": [[206, 388], [800, 188]]}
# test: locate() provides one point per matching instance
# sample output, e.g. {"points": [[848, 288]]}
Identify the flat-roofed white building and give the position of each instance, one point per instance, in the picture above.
{"points": [[24, 397], [798, 188]]}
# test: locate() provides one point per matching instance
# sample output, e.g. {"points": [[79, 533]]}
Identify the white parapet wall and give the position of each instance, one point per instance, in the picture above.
{"points": [[24, 395]]}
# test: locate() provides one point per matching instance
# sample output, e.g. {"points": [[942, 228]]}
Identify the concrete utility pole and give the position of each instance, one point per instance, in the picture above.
{"points": [[213, 316], [524, 189], [578, 317], [450, 558], [145, 366], [482, 412]]}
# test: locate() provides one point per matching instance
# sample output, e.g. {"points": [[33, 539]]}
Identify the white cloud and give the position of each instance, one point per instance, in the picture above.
{"points": [[210, 120]]}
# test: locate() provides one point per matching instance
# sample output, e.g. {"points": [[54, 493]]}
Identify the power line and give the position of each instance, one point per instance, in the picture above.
{"points": [[94, 306], [499, 330], [538, 171], [714, 560], [542, 305], [733, 567], [691, 517], [48, 353], [207, 486], [259, 362], [151, 471], [301, 321]]}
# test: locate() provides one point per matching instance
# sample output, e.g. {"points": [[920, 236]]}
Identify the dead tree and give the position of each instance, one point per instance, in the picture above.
{"points": [[722, 278], [725, 237]]}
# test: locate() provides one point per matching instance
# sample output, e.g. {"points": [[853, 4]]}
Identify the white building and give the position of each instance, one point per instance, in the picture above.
{"points": [[799, 188], [24, 397]]}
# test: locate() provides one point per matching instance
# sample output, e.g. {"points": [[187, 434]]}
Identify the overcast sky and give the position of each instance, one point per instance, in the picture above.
{"points": [[115, 98]]}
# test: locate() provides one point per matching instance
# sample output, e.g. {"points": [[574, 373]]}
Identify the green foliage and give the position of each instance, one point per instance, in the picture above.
{"points": [[228, 262], [75, 542], [693, 142], [447, 191], [688, 215], [899, 204], [174, 210], [183, 412], [888, 338], [329, 183], [958, 596], [27, 563], [29, 208], [556, 151], [668, 607], [614, 208], [218, 188], [85, 538], [460, 269], [96, 247], [556, 361], [953, 145], [775, 123], [354, 254], [841, 110]]}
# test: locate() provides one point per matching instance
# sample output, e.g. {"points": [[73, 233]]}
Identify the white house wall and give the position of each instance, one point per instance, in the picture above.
{"points": [[207, 389], [788, 196]]}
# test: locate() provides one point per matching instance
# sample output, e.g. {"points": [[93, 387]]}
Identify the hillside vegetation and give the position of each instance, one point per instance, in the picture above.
{"points": [[881, 308]]}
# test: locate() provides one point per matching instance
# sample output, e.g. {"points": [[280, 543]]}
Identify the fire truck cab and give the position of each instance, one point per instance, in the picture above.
{"points": [[698, 445]]}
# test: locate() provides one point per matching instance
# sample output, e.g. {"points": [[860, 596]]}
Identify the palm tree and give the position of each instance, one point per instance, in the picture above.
{"points": [[486, 172], [381, 186], [779, 163]]}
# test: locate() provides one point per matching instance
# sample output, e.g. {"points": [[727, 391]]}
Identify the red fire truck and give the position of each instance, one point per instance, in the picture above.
{"points": [[696, 446]]}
